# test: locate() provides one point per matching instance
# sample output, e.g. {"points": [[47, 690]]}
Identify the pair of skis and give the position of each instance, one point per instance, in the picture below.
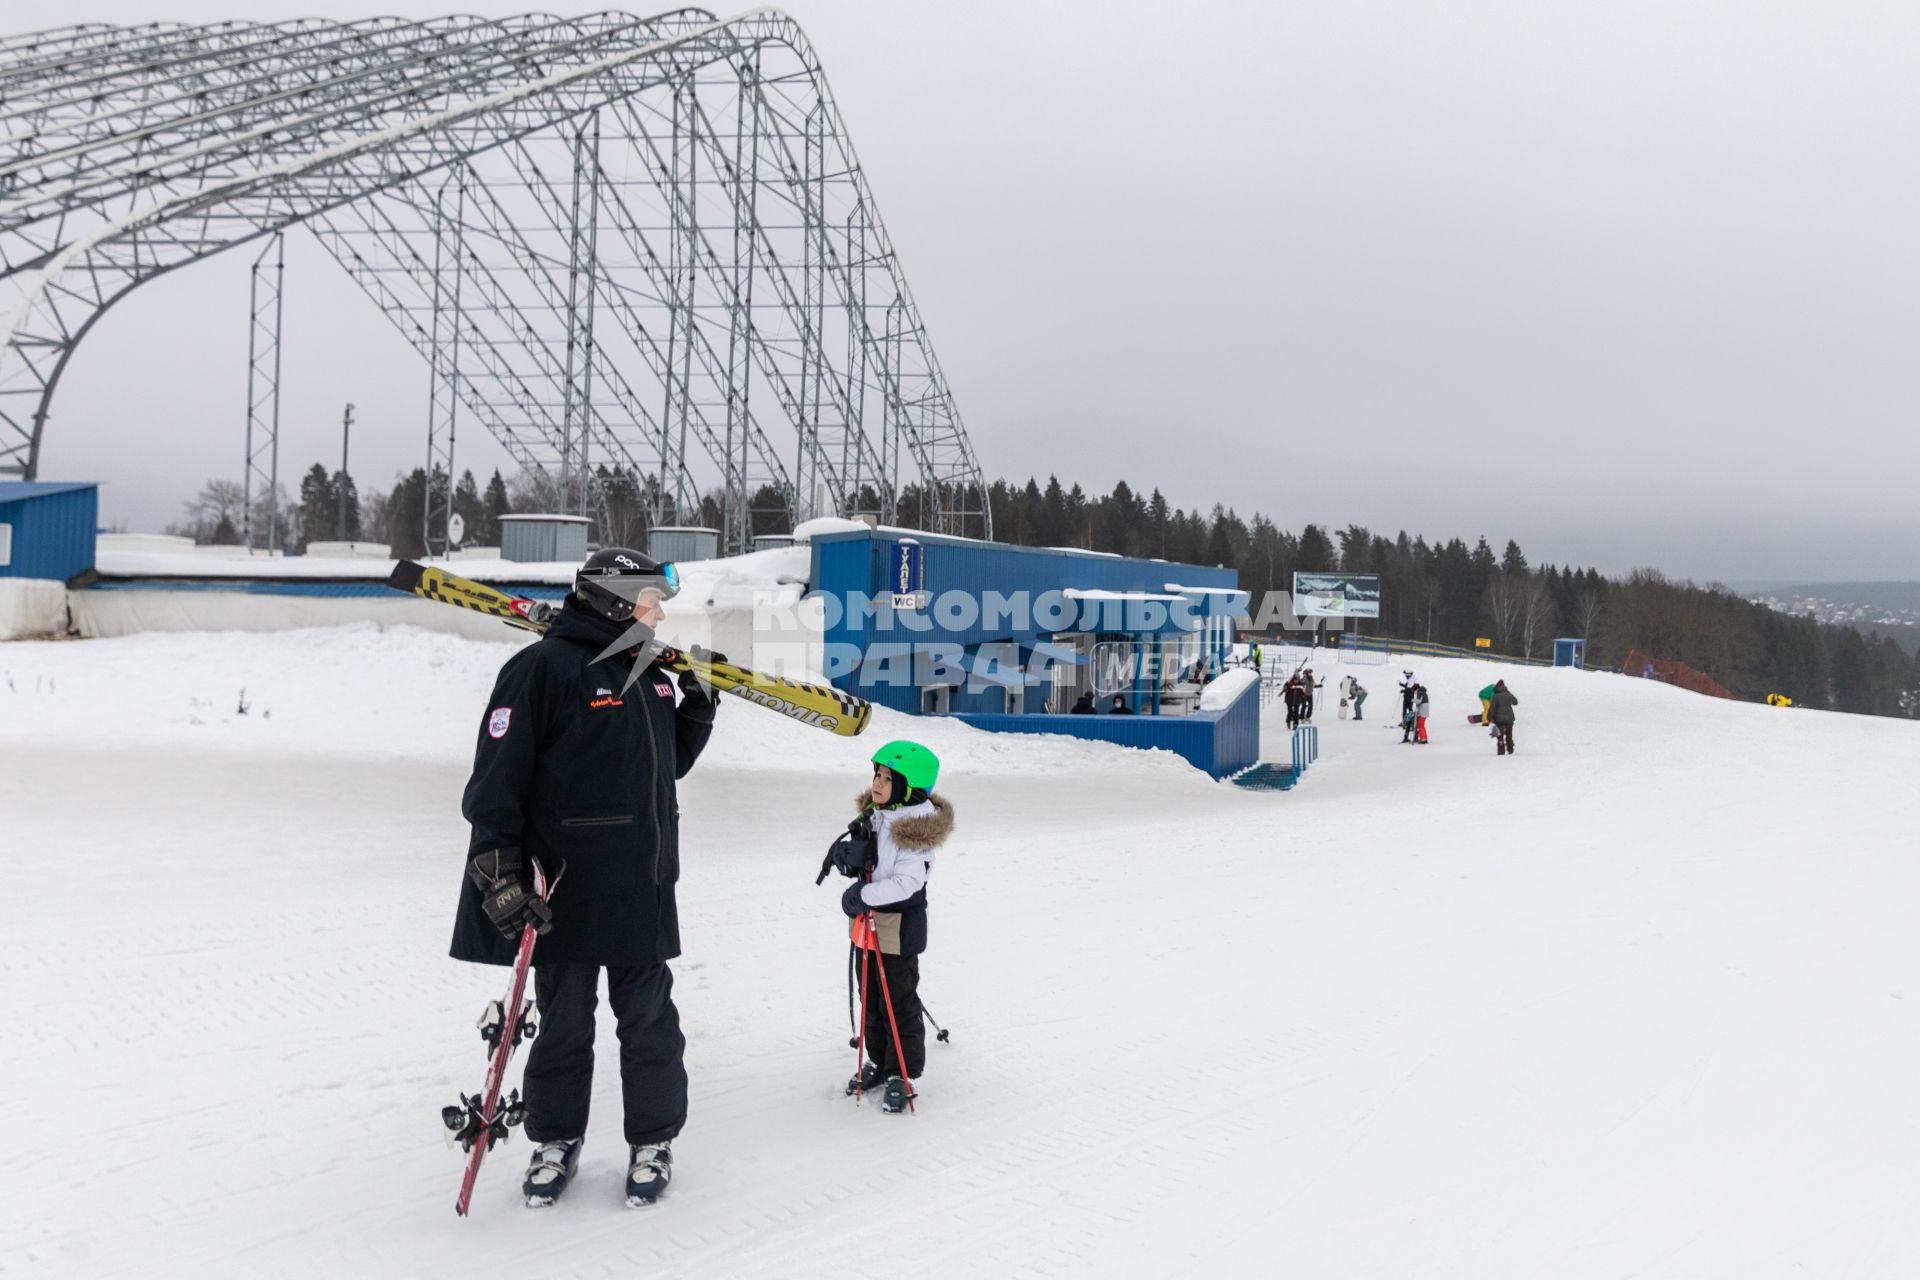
{"points": [[485, 1118], [819, 705]]}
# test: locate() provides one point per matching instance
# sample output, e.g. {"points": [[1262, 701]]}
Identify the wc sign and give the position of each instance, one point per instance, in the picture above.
{"points": [[907, 574]]}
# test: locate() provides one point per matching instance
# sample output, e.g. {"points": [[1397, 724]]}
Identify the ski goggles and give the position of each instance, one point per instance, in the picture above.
{"points": [[657, 589], [668, 583], [636, 590]]}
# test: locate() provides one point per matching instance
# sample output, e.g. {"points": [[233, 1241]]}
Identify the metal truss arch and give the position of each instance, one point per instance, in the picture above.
{"points": [[663, 258]]}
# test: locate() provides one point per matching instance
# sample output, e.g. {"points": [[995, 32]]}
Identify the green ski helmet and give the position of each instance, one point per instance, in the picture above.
{"points": [[919, 766]]}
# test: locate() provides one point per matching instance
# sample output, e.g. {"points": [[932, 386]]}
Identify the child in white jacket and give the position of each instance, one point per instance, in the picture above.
{"points": [[889, 851]]}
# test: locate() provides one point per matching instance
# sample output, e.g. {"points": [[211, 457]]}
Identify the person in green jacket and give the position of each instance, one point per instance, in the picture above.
{"points": [[1486, 708]]}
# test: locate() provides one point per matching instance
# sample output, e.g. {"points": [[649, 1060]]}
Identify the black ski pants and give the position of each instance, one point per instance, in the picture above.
{"points": [[903, 984], [653, 1073], [1505, 733]]}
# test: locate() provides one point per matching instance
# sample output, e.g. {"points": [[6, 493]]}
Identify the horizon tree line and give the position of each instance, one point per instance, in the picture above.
{"points": [[1444, 592]]}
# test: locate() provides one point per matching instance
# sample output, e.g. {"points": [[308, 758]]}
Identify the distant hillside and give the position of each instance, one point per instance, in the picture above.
{"points": [[1892, 608], [1881, 595]]}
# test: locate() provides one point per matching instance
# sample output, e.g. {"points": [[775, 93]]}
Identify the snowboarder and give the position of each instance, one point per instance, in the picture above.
{"points": [[888, 851], [1421, 708], [1294, 697], [1356, 695], [579, 752], [1503, 702], [1486, 709]]}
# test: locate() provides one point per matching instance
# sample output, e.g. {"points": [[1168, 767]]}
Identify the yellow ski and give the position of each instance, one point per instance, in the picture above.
{"points": [[819, 705]]}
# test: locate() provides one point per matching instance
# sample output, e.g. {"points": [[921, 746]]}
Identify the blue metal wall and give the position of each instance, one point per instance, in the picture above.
{"points": [[856, 562], [1236, 734], [1218, 742], [53, 529]]}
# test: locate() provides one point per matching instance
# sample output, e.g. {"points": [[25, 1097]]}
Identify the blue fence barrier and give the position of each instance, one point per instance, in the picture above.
{"points": [[1306, 747], [1283, 777]]}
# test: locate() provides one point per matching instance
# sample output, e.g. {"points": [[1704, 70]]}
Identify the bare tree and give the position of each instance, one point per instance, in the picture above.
{"points": [[215, 513], [279, 509], [217, 500], [1536, 612], [1589, 608], [374, 516], [541, 491], [534, 491], [1505, 600]]}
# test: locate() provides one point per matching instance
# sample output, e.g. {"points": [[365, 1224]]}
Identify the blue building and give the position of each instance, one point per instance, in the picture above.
{"points": [[47, 530], [1013, 638]]}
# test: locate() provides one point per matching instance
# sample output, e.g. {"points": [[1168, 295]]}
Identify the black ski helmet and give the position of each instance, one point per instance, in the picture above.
{"points": [[611, 581]]}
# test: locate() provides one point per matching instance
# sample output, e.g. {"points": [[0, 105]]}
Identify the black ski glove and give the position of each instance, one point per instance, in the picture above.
{"points": [[691, 685], [852, 903], [506, 893], [855, 853]]}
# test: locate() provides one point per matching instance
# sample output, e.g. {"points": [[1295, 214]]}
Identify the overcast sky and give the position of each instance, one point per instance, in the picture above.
{"points": [[1634, 283]]}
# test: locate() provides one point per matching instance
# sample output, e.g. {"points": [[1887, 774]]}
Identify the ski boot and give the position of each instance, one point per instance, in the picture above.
{"points": [[897, 1094], [870, 1079], [550, 1171], [649, 1169]]}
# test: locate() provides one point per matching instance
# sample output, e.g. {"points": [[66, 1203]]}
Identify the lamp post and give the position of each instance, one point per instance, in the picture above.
{"points": [[340, 520]]}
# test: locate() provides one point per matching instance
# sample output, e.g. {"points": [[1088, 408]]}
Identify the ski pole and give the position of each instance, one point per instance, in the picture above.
{"points": [[860, 1043], [899, 1053], [942, 1036], [853, 1041]]}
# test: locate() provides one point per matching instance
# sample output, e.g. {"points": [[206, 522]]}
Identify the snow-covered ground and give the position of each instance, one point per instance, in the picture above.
{"points": [[1643, 1000]]}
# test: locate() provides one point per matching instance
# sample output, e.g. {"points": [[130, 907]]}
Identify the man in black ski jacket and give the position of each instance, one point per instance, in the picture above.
{"points": [[579, 752]]}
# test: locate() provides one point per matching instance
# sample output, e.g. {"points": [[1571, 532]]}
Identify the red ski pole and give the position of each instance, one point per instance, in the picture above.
{"points": [[899, 1054]]}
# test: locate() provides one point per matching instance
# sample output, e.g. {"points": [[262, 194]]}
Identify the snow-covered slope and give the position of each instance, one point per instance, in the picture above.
{"points": [[1640, 1000]]}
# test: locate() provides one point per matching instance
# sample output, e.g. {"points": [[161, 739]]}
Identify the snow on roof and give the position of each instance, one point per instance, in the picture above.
{"points": [[1219, 695], [808, 529], [1081, 593]]}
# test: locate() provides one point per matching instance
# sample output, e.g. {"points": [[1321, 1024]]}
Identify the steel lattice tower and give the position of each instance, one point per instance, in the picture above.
{"points": [[640, 252]]}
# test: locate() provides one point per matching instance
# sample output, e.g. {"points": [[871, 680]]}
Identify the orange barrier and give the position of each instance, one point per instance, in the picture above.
{"points": [[1675, 673]]}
